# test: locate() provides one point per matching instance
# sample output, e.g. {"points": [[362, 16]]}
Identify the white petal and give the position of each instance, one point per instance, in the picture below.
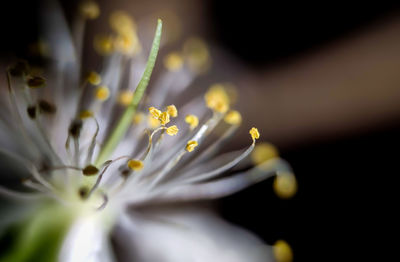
{"points": [[185, 234]]}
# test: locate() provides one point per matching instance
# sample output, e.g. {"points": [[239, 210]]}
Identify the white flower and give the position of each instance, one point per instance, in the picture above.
{"points": [[105, 158]]}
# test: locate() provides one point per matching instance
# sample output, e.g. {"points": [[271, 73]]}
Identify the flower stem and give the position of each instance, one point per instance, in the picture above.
{"points": [[126, 118]]}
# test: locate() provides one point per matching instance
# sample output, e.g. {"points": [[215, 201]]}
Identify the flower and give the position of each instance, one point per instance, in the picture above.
{"points": [[93, 168]]}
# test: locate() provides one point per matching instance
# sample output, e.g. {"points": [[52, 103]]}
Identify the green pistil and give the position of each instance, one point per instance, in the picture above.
{"points": [[126, 118]]}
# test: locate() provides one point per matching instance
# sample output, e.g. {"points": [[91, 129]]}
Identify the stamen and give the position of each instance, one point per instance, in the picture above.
{"points": [[282, 251], [94, 78], [135, 165], [197, 55], [191, 145], [192, 120], [217, 98], [138, 118], [233, 118], [254, 134], [90, 170], [36, 82], [264, 152], [46, 107], [155, 113], [103, 44], [164, 118], [85, 114], [285, 185], [173, 61], [31, 110], [172, 111], [125, 98], [89, 9], [172, 130], [102, 93]]}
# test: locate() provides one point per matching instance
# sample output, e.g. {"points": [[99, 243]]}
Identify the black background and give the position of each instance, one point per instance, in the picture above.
{"points": [[343, 181]]}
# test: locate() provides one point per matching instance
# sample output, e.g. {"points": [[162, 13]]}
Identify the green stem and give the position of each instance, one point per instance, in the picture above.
{"points": [[126, 118]]}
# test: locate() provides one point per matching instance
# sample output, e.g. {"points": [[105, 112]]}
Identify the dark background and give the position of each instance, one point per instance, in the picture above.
{"points": [[343, 181]]}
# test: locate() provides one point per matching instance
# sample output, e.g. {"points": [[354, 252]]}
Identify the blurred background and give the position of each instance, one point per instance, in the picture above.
{"points": [[320, 81]]}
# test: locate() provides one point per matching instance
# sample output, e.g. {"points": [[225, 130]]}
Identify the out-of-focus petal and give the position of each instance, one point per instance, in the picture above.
{"points": [[185, 234]]}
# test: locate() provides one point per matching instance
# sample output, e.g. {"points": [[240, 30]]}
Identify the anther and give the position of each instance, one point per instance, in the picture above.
{"points": [[46, 107], [36, 82], [75, 128], [164, 118], [93, 78], [90, 170], [172, 130], [102, 93], [254, 133], [172, 111], [89, 9], [191, 145], [192, 121], [31, 111], [173, 61], [233, 118], [135, 165], [155, 113]]}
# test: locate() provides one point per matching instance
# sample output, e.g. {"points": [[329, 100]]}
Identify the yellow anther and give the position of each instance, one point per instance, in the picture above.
{"points": [[282, 251], [103, 44], [173, 61], [85, 114], [233, 118], [122, 23], [127, 44], [152, 122], [89, 9], [94, 78], [263, 152], [138, 118], [191, 145], [102, 93], [125, 98], [172, 111], [285, 185], [197, 55], [164, 118], [135, 165], [192, 120], [254, 133], [217, 99], [172, 130], [155, 113]]}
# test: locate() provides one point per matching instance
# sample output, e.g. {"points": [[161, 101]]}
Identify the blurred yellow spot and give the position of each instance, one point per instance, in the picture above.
{"points": [[85, 114], [172, 111], [282, 251], [89, 9], [254, 133], [192, 120], [173, 61], [127, 44], [172, 130], [155, 112], [217, 99], [263, 152], [135, 165], [125, 98], [103, 44], [197, 55], [285, 185], [164, 118], [94, 78], [152, 122], [138, 118], [122, 23], [191, 145], [233, 118], [102, 93]]}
